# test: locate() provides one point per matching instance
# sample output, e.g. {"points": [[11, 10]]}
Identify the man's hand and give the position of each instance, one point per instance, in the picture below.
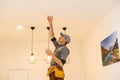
{"points": [[50, 18]]}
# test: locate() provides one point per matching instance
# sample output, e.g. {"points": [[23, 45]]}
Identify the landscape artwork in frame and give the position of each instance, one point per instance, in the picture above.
{"points": [[110, 49]]}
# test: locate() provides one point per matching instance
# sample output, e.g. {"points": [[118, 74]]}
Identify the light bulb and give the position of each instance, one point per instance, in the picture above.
{"points": [[49, 58], [19, 27], [31, 59]]}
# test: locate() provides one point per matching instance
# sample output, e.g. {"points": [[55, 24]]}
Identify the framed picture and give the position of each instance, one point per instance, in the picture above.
{"points": [[110, 49]]}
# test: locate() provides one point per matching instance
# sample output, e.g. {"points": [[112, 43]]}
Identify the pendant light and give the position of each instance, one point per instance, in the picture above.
{"points": [[32, 59], [68, 58], [49, 58]]}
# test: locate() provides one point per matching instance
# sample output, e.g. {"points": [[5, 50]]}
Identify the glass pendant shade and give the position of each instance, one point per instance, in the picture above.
{"points": [[32, 59], [49, 58]]}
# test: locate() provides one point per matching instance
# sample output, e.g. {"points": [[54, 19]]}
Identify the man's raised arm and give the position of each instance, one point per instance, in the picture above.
{"points": [[50, 19]]}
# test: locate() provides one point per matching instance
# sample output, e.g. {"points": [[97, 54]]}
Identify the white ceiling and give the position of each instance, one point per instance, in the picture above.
{"points": [[79, 16]]}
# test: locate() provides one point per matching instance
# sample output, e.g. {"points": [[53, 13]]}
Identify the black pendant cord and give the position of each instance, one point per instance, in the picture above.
{"points": [[32, 44], [32, 40], [48, 28]]}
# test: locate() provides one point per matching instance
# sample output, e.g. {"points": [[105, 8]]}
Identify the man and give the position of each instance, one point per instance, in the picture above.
{"points": [[59, 56]]}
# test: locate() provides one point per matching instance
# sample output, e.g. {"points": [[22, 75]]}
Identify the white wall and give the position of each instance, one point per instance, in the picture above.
{"points": [[92, 48], [13, 55]]}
